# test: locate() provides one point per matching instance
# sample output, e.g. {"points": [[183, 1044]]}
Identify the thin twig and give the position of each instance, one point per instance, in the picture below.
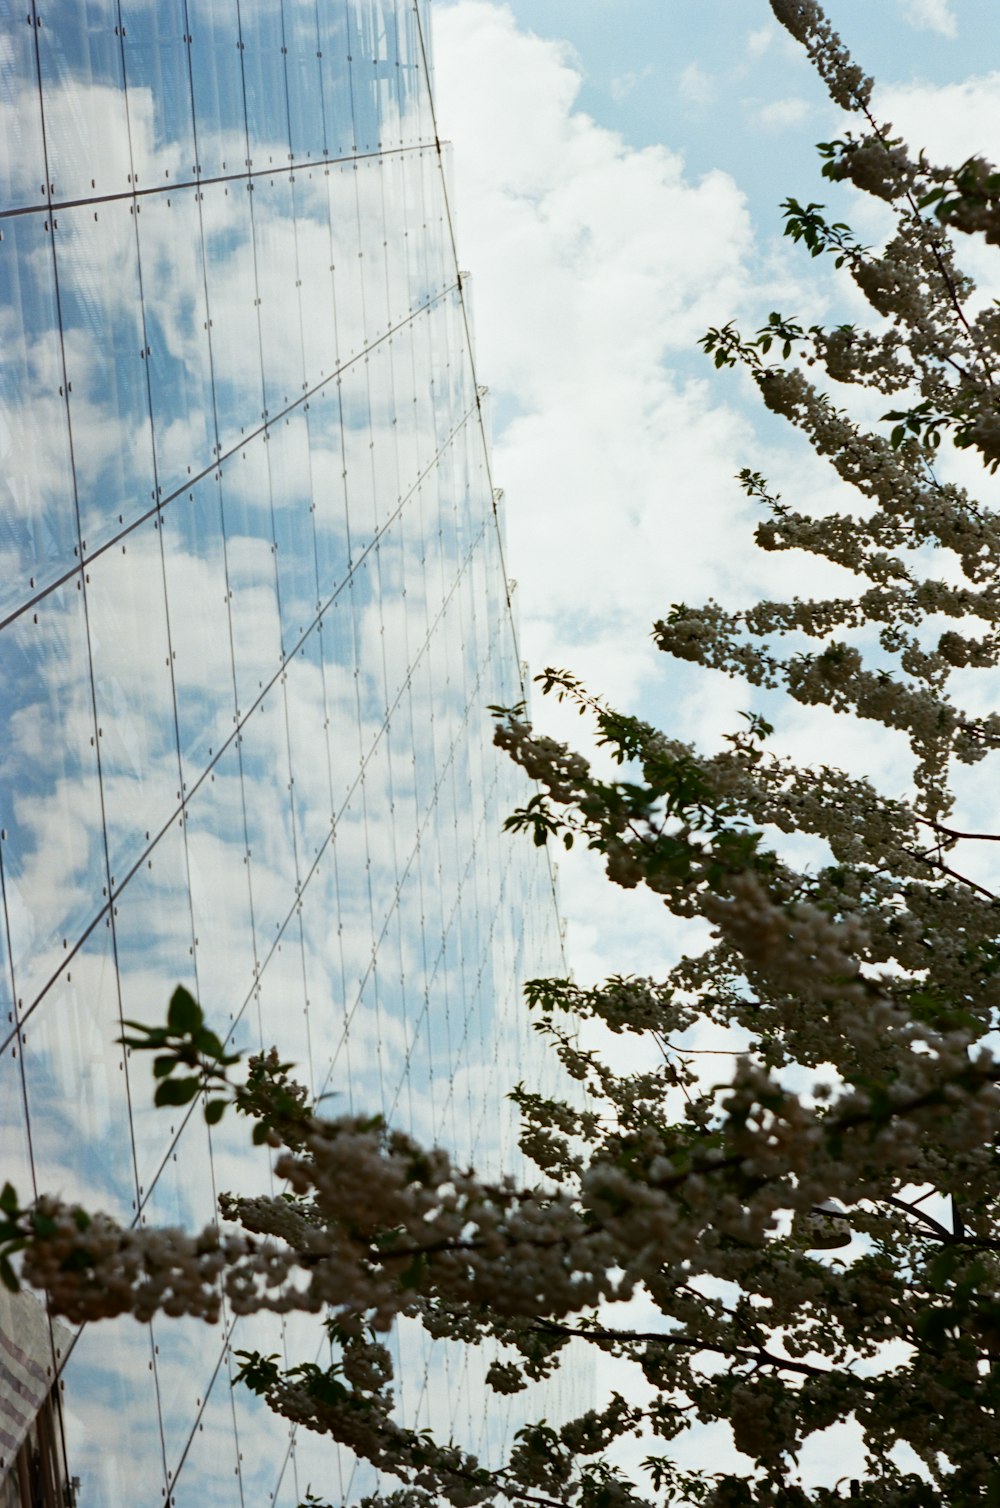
{"points": [[951, 832], [939, 864]]}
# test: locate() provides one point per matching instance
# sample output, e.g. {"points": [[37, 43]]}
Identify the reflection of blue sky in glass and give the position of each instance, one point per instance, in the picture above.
{"points": [[252, 614]]}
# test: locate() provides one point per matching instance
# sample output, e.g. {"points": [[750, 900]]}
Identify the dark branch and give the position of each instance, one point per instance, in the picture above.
{"points": [[759, 1357]]}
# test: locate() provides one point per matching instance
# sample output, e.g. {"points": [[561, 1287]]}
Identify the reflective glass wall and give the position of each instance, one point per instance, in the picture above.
{"points": [[252, 613]]}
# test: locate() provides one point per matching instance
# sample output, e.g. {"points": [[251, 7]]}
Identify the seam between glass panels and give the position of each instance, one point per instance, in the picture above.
{"points": [[56, 206]]}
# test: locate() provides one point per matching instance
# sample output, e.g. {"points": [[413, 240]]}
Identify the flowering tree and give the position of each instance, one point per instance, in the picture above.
{"points": [[818, 1233]]}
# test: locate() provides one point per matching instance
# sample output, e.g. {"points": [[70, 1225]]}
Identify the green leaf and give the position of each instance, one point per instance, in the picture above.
{"points": [[215, 1110], [185, 1015], [208, 1043], [258, 1372], [177, 1091], [413, 1274], [8, 1277], [9, 1202], [164, 1065]]}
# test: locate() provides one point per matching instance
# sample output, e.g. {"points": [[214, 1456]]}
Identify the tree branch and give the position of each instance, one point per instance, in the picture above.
{"points": [[760, 1357], [939, 864]]}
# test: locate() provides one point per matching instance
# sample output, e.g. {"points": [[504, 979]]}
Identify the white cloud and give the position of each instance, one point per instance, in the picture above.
{"points": [[931, 15], [781, 114], [622, 86], [953, 121], [696, 86], [597, 266], [758, 42], [593, 261]]}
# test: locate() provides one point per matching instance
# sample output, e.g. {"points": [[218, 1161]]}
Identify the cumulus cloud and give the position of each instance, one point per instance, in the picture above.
{"points": [[622, 86], [931, 15], [594, 263], [696, 86], [759, 41], [953, 121], [597, 266], [781, 114]]}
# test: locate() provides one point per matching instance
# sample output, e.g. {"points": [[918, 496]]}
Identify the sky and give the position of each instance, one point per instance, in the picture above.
{"points": [[618, 168], [617, 176]]}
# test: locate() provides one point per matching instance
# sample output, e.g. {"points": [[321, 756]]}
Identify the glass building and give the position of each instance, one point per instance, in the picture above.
{"points": [[253, 610]]}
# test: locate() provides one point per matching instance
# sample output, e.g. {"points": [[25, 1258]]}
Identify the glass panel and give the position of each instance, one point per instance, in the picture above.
{"points": [[288, 459], [13, 1119], [307, 119], [330, 511], [177, 334], [308, 725], [152, 918], [416, 120], [158, 86], [274, 872], [265, 85], [86, 123], [382, 407], [340, 663], [334, 48], [38, 527], [324, 980], [256, 620], [22, 151], [282, 1004], [54, 861], [136, 731], [372, 257], [345, 259], [194, 565], [263, 1437], [188, 1353], [217, 86], [208, 1475], [104, 343], [358, 462], [317, 316], [110, 1395], [365, 32], [221, 910], [396, 232], [232, 305], [278, 278], [75, 1085]]}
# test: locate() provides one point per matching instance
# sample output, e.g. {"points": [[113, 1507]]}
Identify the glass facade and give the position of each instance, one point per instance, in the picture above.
{"points": [[252, 612]]}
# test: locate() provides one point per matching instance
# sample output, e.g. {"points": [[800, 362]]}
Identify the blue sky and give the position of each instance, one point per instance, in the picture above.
{"points": [[688, 76], [647, 46]]}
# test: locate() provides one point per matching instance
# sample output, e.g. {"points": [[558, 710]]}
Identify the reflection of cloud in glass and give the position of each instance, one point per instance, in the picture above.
{"points": [[251, 617]]}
